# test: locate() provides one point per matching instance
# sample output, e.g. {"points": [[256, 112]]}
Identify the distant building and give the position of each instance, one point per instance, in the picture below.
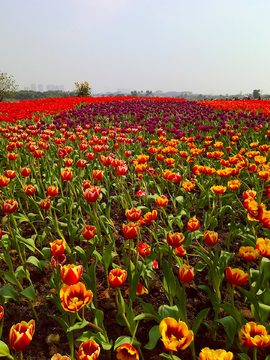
{"points": [[33, 87], [40, 87], [123, 90]]}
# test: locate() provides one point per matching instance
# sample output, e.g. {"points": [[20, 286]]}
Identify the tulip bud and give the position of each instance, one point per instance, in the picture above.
{"points": [[210, 237], [186, 273]]}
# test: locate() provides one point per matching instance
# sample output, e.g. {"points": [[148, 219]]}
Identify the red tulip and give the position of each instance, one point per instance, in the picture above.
{"points": [[71, 274], [117, 277], [88, 350], [45, 204], [91, 194], [89, 232], [9, 206], [130, 230], [21, 334]]}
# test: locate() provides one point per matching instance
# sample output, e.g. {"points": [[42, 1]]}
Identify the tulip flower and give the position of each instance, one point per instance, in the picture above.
{"points": [[1, 312], [91, 194], [75, 297], [86, 184], [66, 175], [117, 277], [186, 273], [188, 185], [58, 247], [10, 174], [133, 214], [248, 253], [236, 277], [127, 352], [88, 350], [25, 172], [218, 189], [234, 184], [263, 245], [253, 335], [45, 204], [144, 250], [122, 170], [58, 261], [89, 232], [220, 354], [29, 190], [210, 237], [71, 274], [38, 154], [180, 252], [130, 230], [193, 224], [139, 291], [150, 217], [141, 193], [60, 357], [81, 163], [21, 334], [162, 201], [175, 239], [12, 156], [52, 191], [175, 335], [97, 174], [68, 162], [4, 181], [9, 206]]}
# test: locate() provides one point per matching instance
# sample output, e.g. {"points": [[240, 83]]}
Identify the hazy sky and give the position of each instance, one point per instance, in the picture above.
{"points": [[203, 46]]}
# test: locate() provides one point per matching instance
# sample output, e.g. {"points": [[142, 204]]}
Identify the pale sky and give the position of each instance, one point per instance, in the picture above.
{"points": [[203, 46]]}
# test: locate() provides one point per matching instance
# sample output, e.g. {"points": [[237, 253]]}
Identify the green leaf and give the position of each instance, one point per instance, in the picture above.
{"points": [[243, 356], [124, 340], [4, 350], [29, 243], [34, 261], [60, 321], [253, 301], [199, 318], [78, 326], [154, 336], [230, 327], [107, 256], [167, 356], [29, 293], [169, 311], [199, 266], [8, 291]]}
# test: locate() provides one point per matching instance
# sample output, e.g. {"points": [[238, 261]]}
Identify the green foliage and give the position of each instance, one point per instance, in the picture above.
{"points": [[7, 85], [83, 89]]}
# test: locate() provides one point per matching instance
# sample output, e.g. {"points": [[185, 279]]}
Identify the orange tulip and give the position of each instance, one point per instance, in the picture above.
{"points": [[117, 277], [127, 352], [59, 357], [75, 297], [88, 350], [175, 335], [186, 273], [150, 217], [249, 193], [21, 334], [236, 277], [220, 354], [218, 189], [175, 239], [71, 274], [188, 185], [234, 184], [130, 230], [253, 335]]}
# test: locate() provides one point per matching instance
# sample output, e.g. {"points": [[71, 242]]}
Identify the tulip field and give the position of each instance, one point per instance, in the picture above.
{"points": [[135, 228]]}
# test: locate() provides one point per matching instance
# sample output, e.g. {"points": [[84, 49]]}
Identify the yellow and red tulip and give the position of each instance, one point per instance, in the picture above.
{"points": [[210, 237], [75, 297], [130, 230], [193, 224], [139, 291], [58, 247], [71, 274], [144, 250], [175, 335], [66, 175], [29, 190], [263, 245], [133, 214], [97, 174], [220, 354], [45, 204], [91, 194], [9, 206], [150, 217], [60, 357], [236, 277], [248, 253], [162, 201], [175, 239], [254, 335], [10, 174], [180, 252], [21, 334], [89, 232], [219, 189], [117, 277], [52, 191], [127, 352], [88, 350], [186, 273], [4, 181]]}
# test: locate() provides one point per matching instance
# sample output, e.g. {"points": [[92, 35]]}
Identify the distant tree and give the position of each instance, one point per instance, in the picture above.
{"points": [[256, 93], [7, 85], [134, 93], [83, 89], [148, 93]]}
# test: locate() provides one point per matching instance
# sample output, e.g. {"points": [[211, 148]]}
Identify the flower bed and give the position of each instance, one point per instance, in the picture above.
{"points": [[135, 228]]}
